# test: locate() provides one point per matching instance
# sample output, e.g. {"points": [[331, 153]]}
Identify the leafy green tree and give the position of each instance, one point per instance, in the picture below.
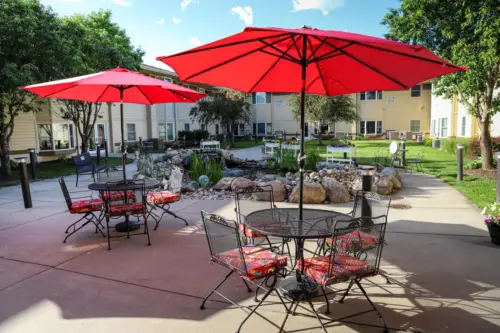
{"points": [[325, 110], [228, 107], [98, 44], [31, 50], [467, 33]]}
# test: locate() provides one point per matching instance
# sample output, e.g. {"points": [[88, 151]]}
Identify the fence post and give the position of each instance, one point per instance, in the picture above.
{"points": [[460, 162]]}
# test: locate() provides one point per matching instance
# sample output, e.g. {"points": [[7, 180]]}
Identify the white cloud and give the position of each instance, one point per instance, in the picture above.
{"points": [[324, 5], [245, 13], [122, 3], [195, 41], [161, 21], [176, 20], [185, 3]]}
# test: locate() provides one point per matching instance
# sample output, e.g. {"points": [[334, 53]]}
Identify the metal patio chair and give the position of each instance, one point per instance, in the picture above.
{"points": [[355, 255], [416, 161], [138, 208], [87, 207], [250, 262], [162, 200]]}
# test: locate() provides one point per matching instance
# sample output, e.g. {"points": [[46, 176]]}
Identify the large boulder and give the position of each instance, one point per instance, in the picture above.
{"points": [[313, 193], [358, 186], [279, 192], [391, 171], [335, 191], [190, 186], [240, 183], [385, 185], [171, 153], [177, 160], [224, 184]]}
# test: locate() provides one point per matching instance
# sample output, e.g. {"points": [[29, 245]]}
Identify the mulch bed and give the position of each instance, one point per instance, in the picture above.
{"points": [[492, 174]]}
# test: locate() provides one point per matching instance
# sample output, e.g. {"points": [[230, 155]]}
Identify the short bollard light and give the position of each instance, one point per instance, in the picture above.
{"points": [[33, 162], [367, 181], [25, 182], [460, 162]]}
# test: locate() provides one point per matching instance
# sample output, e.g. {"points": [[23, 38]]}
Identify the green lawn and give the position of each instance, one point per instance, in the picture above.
{"points": [[54, 169], [480, 191]]}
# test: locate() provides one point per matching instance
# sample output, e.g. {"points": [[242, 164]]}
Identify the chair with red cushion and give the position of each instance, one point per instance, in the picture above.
{"points": [[162, 199], [126, 209], [361, 261], [86, 206], [118, 196], [250, 262]]}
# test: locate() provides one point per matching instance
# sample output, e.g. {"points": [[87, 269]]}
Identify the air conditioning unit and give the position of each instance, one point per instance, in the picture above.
{"points": [[436, 143]]}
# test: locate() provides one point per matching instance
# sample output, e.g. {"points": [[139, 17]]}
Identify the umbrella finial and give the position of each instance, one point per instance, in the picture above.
{"points": [[308, 27]]}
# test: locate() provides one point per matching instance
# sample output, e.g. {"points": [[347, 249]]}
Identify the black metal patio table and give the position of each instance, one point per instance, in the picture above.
{"points": [[125, 226], [285, 223]]}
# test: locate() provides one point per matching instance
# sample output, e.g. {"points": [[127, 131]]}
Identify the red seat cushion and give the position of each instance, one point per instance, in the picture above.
{"points": [[245, 230], [85, 206], [259, 262], [354, 241], [344, 268], [134, 208], [161, 198], [118, 195]]}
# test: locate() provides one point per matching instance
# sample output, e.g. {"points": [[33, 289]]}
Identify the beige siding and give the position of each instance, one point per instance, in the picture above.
{"points": [[45, 114], [24, 136]]}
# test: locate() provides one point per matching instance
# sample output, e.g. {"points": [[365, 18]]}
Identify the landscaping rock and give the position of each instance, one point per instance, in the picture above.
{"points": [[240, 182], [190, 186], [378, 167], [322, 173], [385, 185], [171, 153], [177, 160], [313, 193], [390, 171], [335, 191], [279, 192], [224, 184], [268, 177], [232, 172], [358, 186]]}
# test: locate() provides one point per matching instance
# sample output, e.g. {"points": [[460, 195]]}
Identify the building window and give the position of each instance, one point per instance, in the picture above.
{"points": [[371, 95], [464, 124], [203, 127], [239, 129], [131, 133], [217, 129], [261, 129], [61, 136], [170, 131], [45, 137], [162, 131], [416, 91], [415, 126], [254, 127], [269, 129], [444, 127], [186, 126], [261, 98], [370, 127], [433, 127]]}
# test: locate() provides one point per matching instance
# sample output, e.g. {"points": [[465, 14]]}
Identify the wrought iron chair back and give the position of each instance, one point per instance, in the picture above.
{"points": [[65, 192], [222, 237], [371, 204], [265, 190], [125, 186]]}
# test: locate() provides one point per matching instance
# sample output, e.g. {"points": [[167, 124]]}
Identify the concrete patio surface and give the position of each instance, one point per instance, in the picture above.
{"points": [[445, 271]]}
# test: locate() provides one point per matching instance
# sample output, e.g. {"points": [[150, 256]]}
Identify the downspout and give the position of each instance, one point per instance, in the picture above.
{"points": [[175, 120]]}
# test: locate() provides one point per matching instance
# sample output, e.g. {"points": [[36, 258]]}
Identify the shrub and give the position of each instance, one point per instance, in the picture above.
{"points": [[199, 167], [428, 142], [196, 135], [312, 160], [475, 147], [473, 165], [450, 145], [289, 161]]}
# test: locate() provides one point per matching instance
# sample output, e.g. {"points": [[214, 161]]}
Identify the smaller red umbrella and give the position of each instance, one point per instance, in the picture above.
{"points": [[116, 85]]}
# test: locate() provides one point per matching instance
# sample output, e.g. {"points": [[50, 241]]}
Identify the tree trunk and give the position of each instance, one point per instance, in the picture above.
{"points": [[485, 144], [85, 146], [5, 169], [320, 143]]}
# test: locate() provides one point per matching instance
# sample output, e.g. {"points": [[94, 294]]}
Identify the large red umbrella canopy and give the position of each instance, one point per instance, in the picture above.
{"points": [[106, 87], [116, 85], [271, 60]]}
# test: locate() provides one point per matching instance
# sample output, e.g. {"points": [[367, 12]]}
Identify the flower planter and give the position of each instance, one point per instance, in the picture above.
{"points": [[494, 230]]}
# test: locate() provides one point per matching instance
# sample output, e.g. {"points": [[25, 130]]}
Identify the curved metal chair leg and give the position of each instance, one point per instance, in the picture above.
{"points": [[347, 291], [386, 330], [202, 306], [326, 300]]}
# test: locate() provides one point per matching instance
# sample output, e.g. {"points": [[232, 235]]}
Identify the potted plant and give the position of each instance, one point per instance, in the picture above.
{"points": [[492, 220]]}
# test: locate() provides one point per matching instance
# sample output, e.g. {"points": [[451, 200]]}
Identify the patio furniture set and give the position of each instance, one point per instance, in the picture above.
{"points": [[139, 198], [257, 246]]}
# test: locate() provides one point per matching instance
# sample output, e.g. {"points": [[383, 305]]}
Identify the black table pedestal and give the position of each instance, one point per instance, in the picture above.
{"points": [[299, 290], [127, 226]]}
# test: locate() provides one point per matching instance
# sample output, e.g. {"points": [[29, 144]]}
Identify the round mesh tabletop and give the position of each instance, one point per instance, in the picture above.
{"points": [[101, 186], [285, 223]]}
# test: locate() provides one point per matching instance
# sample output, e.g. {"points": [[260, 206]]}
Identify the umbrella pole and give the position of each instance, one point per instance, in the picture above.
{"points": [[302, 128], [124, 149]]}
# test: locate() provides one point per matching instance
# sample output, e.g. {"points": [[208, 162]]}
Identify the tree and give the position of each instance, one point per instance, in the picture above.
{"points": [[31, 50], [98, 44], [228, 107], [467, 33], [325, 110]]}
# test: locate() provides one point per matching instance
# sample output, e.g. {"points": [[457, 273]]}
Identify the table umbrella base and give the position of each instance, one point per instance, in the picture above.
{"points": [[127, 226], [299, 290]]}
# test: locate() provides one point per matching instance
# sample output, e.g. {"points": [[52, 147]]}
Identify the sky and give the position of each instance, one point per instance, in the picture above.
{"points": [[163, 27]]}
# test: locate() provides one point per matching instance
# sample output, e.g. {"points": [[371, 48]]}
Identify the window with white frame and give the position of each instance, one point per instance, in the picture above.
{"points": [[367, 127], [186, 126], [433, 127], [261, 98], [162, 131], [269, 129], [55, 136], [170, 131], [261, 128], [239, 129], [415, 126], [131, 135], [416, 91], [371, 95], [444, 128], [463, 126]]}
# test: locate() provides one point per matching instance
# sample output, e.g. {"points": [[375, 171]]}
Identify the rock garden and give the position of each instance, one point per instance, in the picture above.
{"points": [[216, 175]]}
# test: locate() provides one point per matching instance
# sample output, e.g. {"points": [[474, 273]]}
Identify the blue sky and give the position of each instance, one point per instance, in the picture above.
{"points": [[162, 27]]}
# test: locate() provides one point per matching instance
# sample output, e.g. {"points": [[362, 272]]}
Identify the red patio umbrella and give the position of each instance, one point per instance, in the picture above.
{"points": [[310, 61], [116, 85]]}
